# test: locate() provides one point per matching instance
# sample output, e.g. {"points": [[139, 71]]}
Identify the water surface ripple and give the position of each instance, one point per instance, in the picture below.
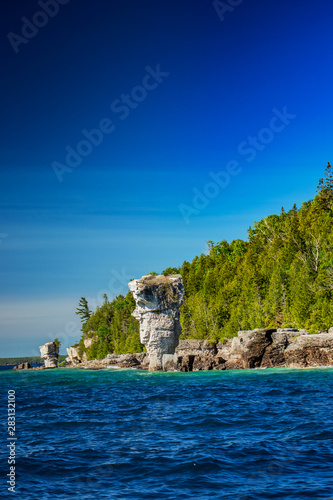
{"points": [[132, 435]]}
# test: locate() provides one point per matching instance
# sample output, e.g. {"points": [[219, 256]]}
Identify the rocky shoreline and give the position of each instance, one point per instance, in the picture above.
{"points": [[260, 348], [158, 299]]}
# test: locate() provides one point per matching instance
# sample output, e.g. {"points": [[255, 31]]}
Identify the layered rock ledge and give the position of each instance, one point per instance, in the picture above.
{"points": [[261, 348], [158, 299]]}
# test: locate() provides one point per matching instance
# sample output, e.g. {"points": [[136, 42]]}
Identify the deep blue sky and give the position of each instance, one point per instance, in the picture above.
{"points": [[116, 215]]}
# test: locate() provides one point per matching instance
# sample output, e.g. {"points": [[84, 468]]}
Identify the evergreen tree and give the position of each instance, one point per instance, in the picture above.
{"points": [[83, 311], [282, 276]]}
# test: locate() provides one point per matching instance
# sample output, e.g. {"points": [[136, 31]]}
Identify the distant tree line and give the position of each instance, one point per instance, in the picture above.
{"points": [[282, 276], [27, 359]]}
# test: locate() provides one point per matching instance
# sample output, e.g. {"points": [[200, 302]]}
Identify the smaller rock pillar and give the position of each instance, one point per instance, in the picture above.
{"points": [[49, 352]]}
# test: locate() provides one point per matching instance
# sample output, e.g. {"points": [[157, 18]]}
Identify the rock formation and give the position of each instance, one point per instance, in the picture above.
{"points": [[158, 299], [23, 366], [310, 350], [49, 352], [74, 357], [261, 348], [89, 342]]}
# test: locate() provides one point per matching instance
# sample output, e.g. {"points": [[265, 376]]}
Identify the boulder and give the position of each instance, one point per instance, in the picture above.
{"points": [[22, 366], [158, 299], [170, 362], [249, 347]]}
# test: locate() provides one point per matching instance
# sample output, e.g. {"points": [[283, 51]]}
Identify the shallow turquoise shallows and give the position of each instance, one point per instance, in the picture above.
{"points": [[133, 435]]}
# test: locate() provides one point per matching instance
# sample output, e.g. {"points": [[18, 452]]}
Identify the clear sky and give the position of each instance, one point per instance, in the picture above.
{"points": [[135, 130]]}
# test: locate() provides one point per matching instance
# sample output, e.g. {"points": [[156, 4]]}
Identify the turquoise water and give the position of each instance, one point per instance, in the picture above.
{"points": [[113, 434]]}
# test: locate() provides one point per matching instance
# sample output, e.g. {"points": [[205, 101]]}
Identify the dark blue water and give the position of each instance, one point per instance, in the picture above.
{"points": [[261, 434]]}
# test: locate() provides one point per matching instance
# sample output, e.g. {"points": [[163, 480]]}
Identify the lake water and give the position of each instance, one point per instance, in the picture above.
{"points": [[134, 435]]}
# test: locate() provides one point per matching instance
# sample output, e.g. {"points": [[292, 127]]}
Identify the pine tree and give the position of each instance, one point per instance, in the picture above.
{"points": [[83, 311]]}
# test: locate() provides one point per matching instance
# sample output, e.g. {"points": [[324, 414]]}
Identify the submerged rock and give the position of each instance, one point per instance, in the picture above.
{"points": [[158, 299], [49, 352]]}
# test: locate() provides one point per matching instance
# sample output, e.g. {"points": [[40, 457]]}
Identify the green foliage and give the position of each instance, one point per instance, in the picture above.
{"points": [[112, 328], [170, 270], [282, 276], [83, 311], [57, 342]]}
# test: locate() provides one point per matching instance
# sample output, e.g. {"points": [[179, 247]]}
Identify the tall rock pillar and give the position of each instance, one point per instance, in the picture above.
{"points": [[49, 352], [158, 299]]}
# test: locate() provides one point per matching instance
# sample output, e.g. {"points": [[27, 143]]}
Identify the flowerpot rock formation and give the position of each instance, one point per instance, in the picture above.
{"points": [[49, 352], [158, 299]]}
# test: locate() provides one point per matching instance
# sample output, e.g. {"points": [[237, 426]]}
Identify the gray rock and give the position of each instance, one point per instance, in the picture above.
{"points": [[89, 342], [223, 349], [196, 347], [155, 362], [73, 355], [170, 362], [158, 299], [310, 350], [49, 352]]}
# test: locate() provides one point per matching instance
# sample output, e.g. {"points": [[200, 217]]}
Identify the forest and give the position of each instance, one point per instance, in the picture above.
{"points": [[281, 276]]}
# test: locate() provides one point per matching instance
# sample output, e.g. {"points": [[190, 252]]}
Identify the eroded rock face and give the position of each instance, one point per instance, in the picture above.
{"points": [[310, 350], [158, 299], [23, 366], [74, 357], [89, 342], [261, 348], [49, 352]]}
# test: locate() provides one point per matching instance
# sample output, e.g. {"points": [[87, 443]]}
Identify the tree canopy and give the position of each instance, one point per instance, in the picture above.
{"points": [[282, 276]]}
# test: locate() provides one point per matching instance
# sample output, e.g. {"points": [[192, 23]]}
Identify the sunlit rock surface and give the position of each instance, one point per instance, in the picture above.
{"points": [[158, 299]]}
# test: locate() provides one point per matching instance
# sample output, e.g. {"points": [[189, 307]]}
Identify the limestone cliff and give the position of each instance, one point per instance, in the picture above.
{"points": [[74, 358], [49, 352], [158, 299], [261, 348]]}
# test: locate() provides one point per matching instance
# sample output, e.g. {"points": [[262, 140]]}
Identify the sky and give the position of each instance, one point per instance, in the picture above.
{"points": [[133, 131]]}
